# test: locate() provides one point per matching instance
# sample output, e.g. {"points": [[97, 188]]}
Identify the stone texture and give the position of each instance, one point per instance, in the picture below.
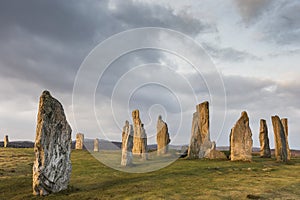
{"points": [[213, 153], [52, 166], [284, 122], [241, 140], [200, 136], [127, 144], [79, 141], [265, 151], [6, 142], [162, 137], [96, 145], [139, 136], [281, 153]]}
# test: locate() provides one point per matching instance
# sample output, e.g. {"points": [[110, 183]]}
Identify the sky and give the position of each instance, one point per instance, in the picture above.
{"points": [[252, 49]]}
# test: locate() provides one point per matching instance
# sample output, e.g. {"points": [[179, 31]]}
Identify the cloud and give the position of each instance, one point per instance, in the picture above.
{"points": [[251, 9], [228, 54]]}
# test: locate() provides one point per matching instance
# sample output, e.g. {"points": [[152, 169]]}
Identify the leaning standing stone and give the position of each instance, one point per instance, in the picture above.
{"points": [[281, 153], [79, 141], [265, 151], [6, 141], [52, 166], [96, 145], [127, 145], [241, 140]]}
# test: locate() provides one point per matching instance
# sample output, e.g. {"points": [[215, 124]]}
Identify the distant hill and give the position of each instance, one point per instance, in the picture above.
{"points": [[114, 145]]}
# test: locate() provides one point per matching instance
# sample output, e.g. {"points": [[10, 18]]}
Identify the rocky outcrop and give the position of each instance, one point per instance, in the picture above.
{"points": [[281, 152], [52, 166], [6, 141], [241, 140], [139, 136], [79, 141], [200, 136], [96, 145], [162, 137], [214, 154], [127, 144], [284, 122], [265, 151]]}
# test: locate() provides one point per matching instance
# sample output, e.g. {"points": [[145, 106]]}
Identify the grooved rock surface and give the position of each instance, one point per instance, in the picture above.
{"points": [[284, 122], [265, 151], [5, 144], [52, 166], [241, 140], [139, 136], [200, 136], [162, 137], [127, 144], [96, 145], [281, 152], [79, 141]]}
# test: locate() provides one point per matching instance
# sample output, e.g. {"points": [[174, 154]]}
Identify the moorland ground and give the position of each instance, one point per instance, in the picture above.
{"points": [[183, 179]]}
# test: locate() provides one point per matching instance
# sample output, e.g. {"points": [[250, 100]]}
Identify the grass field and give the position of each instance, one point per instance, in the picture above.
{"points": [[183, 179]]}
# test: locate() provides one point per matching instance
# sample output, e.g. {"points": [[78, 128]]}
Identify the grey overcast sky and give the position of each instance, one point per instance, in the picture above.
{"points": [[254, 44]]}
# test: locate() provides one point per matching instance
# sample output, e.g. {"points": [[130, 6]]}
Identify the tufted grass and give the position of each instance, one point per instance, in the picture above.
{"points": [[183, 179]]}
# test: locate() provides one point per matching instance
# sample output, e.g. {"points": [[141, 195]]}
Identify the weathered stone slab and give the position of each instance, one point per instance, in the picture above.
{"points": [[241, 140], [200, 136], [281, 152], [265, 151], [52, 166], [139, 136], [284, 122], [96, 145], [127, 144], [6, 142], [79, 141], [162, 137]]}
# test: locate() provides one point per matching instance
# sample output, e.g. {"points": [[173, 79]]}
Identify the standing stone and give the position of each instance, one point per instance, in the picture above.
{"points": [[162, 137], [200, 137], [241, 140], [79, 141], [52, 166], [265, 151], [139, 135], [6, 141], [284, 122], [144, 148], [96, 145], [127, 144], [281, 153], [124, 132]]}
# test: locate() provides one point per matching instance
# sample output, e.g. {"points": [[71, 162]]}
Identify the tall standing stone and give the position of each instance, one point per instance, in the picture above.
{"points": [[281, 153], [284, 122], [139, 135], [52, 166], [79, 141], [162, 137], [96, 145], [265, 151], [6, 141], [241, 140], [127, 144], [200, 136]]}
